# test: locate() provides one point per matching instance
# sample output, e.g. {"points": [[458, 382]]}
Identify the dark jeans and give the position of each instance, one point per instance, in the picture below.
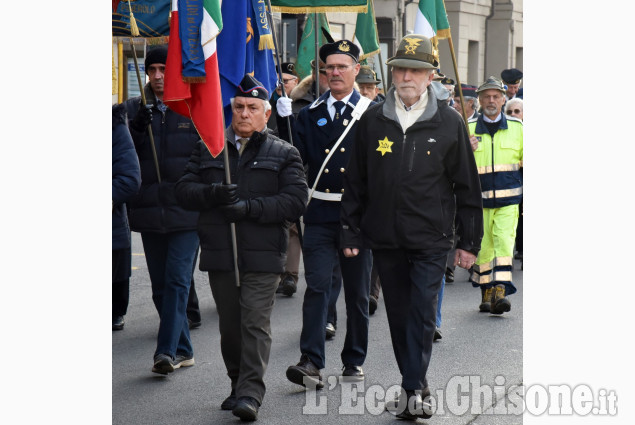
{"points": [[321, 256], [410, 281], [245, 328], [169, 257]]}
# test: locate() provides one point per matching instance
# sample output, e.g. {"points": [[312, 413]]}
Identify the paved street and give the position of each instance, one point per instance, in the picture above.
{"points": [[484, 347]]}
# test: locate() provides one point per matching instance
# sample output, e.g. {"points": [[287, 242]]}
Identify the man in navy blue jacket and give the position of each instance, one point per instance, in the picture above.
{"points": [[168, 232], [126, 179], [316, 131]]}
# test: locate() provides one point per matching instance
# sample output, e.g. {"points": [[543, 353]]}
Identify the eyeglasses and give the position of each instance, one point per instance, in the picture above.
{"points": [[288, 80], [331, 68], [515, 111]]}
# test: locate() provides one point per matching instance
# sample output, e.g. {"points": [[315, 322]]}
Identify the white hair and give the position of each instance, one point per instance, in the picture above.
{"points": [[266, 104], [515, 100]]}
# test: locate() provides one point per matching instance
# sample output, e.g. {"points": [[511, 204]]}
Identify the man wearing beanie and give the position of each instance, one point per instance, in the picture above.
{"points": [[168, 232], [270, 193]]}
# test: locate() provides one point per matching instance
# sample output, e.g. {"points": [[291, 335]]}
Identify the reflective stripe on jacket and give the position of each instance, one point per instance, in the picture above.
{"points": [[499, 161]]}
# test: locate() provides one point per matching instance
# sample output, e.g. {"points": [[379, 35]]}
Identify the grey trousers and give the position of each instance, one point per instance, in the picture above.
{"points": [[245, 328]]}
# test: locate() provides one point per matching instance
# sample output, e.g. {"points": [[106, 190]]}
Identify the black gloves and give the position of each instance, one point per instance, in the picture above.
{"points": [[223, 194], [236, 211], [142, 119]]}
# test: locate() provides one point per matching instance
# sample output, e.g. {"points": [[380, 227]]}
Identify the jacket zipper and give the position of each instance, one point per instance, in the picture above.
{"points": [[493, 176]]}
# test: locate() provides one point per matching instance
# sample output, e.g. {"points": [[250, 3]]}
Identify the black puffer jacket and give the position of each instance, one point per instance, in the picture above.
{"points": [[155, 208], [269, 173], [405, 190]]}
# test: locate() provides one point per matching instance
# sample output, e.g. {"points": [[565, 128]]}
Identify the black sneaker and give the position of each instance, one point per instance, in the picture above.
{"points": [[289, 285], [117, 323], [163, 364], [305, 372], [449, 275], [372, 305], [246, 408], [192, 324], [437, 334], [183, 360]]}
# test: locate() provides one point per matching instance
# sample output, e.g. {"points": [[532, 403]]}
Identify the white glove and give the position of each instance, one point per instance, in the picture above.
{"points": [[283, 106]]}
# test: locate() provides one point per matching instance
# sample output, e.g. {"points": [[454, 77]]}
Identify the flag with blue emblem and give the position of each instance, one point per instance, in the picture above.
{"points": [[245, 46]]}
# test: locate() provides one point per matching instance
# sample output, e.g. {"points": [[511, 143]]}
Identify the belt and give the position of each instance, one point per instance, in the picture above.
{"points": [[336, 197]]}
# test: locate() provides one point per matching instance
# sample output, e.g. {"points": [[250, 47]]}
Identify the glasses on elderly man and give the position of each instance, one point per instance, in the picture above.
{"points": [[515, 111]]}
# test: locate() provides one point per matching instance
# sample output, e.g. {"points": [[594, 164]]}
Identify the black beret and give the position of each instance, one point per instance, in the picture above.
{"points": [[250, 87], [289, 68], [511, 76], [156, 55], [342, 47], [468, 91]]}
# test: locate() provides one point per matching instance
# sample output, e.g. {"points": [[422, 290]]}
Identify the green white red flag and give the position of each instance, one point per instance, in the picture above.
{"points": [[200, 101]]}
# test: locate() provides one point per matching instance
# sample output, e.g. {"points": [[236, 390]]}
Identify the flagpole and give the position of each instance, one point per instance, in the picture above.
{"points": [[278, 61], [316, 25], [381, 62], [458, 83]]}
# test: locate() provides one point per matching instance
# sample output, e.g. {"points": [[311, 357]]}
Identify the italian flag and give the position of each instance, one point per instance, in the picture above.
{"points": [[432, 20], [200, 101]]}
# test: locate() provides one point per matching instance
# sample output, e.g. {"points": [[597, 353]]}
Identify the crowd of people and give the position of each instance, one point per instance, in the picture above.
{"points": [[374, 191]]}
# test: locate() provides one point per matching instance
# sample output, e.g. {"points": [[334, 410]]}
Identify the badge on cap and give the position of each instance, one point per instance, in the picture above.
{"points": [[254, 93], [343, 46], [413, 43]]}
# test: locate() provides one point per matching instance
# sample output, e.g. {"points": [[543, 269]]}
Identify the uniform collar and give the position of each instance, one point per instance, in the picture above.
{"points": [[480, 124], [352, 99]]}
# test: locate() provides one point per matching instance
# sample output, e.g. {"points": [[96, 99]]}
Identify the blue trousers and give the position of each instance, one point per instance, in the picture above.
{"points": [[410, 281], [169, 257], [321, 255]]}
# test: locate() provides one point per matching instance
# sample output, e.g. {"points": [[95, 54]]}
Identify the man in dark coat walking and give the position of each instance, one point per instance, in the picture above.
{"points": [[270, 193]]}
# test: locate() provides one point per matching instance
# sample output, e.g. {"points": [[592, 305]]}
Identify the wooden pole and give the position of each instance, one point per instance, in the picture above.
{"points": [[458, 83]]}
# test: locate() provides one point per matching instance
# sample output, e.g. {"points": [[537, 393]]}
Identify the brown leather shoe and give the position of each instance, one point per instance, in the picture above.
{"points": [[305, 373]]}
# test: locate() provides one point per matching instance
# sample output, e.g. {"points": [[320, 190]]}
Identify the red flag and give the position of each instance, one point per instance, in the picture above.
{"points": [[199, 101]]}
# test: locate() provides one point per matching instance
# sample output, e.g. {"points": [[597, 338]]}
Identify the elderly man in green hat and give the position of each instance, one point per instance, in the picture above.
{"points": [[497, 141], [368, 84], [411, 180]]}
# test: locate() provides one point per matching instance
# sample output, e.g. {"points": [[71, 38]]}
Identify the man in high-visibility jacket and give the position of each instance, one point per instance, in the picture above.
{"points": [[497, 142]]}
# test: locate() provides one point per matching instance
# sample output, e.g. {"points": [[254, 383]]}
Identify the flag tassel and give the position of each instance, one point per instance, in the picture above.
{"points": [[134, 29], [266, 42]]}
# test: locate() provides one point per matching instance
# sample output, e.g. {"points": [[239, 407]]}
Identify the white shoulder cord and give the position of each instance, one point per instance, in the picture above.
{"points": [[362, 105]]}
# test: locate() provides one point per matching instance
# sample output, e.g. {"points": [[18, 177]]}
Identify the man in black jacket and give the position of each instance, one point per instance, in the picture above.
{"points": [[270, 193], [411, 168], [168, 232]]}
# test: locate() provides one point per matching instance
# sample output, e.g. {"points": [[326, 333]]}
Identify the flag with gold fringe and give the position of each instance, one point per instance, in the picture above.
{"points": [[366, 33], [241, 49], [432, 21], [192, 82], [141, 18], [319, 6]]}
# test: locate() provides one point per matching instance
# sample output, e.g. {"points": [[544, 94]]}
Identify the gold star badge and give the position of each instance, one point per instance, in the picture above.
{"points": [[384, 146]]}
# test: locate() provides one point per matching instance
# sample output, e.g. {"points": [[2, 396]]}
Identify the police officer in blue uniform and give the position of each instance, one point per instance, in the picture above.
{"points": [[315, 133]]}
